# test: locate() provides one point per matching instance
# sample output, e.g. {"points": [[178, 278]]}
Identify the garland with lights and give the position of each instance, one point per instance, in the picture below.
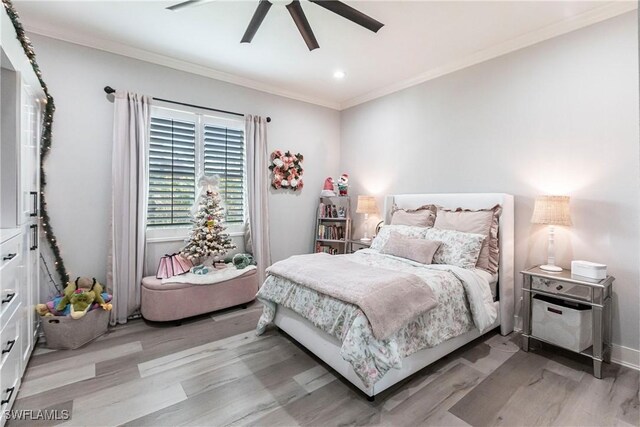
{"points": [[45, 141]]}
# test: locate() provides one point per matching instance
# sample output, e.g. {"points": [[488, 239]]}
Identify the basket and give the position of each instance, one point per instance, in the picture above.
{"points": [[65, 333]]}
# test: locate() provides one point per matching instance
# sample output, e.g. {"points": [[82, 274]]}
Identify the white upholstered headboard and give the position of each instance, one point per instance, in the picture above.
{"points": [[506, 274]]}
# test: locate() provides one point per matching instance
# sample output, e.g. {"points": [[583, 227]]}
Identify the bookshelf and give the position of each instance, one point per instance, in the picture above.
{"points": [[333, 225]]}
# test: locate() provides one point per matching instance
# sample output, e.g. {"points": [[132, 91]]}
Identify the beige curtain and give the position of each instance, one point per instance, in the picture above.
{"points": [[129, 178], [258, 191]]}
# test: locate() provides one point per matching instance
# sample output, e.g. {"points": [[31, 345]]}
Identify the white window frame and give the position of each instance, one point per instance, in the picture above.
{"points": [[181, 232]]}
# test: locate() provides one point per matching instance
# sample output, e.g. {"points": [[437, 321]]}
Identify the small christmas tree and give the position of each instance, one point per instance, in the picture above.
{"points": [[207, 237]]}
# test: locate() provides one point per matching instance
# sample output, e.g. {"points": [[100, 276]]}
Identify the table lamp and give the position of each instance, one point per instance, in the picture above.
{"points": [[366, 205], [551, 211]]}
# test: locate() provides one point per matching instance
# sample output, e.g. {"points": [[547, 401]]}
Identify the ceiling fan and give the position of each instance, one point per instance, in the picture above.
{"points": [[298, 16]]}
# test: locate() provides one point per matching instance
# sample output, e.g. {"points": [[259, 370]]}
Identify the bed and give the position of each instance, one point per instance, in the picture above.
{"points": [[330, 349]]}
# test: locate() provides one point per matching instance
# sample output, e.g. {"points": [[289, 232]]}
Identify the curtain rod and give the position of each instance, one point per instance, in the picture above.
{"points": [[110, 90]]}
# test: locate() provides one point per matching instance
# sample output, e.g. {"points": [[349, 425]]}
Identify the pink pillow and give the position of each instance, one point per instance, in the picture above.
{"points": [[480, 221], [424, 216], [415, 249]]}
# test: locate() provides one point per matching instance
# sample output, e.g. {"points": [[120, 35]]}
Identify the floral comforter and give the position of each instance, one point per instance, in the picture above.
{"points": [[464, 301]]}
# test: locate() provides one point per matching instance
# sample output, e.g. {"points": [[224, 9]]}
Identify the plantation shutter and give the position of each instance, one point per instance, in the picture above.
{"points": [[224, 156], [172, 164]]}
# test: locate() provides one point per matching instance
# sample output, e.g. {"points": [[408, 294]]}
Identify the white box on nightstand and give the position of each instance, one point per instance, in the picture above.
{"points": [[588, 269]]}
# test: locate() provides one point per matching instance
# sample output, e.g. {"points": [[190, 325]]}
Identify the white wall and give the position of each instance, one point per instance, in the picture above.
{"points": [[79, 167], [559, 117]]}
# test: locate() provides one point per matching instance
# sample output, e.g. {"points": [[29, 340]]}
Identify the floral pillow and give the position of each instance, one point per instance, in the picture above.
{"points": [[458, 248], [406, 230]]}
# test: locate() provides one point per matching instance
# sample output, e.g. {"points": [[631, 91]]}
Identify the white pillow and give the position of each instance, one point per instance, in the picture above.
{"points": [[406, 230], [458, 248]]}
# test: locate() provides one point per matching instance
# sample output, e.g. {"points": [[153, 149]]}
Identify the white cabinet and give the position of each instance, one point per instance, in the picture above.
{"points": [[21, 103], [30, 183]]}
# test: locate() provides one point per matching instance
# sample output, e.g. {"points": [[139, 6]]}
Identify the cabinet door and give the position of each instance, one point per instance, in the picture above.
{"points": [[29, 155], [33, 281], [26, 308], [29, 183]]}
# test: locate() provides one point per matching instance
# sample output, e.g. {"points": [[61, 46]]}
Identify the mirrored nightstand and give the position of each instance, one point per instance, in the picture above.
{"points": [[560, 300]]}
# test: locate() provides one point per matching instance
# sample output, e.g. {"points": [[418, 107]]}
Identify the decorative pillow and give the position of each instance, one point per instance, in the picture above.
{"points": [[424, 216], [481, 221], [415, 249], [405, 230], [458, 248]]}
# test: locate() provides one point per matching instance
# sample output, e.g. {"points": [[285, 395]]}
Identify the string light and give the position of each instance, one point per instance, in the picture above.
{"points": [[45, 140]]}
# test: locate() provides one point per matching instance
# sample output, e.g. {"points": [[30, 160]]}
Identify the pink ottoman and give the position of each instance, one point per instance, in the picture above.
{"points": [[174, 301]]}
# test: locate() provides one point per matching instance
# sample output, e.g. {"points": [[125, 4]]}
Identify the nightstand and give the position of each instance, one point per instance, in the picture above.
{"points": [[361, 244], [578, 291]]}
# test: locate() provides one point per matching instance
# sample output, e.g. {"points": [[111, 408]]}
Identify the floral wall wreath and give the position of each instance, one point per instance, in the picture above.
{"points": [[287, 170]]}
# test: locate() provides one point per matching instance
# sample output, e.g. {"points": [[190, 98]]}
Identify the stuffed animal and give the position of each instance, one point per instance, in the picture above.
{"points": [[242, 261], [81, 294], [343, 184], [43, 310], [327, 189]]}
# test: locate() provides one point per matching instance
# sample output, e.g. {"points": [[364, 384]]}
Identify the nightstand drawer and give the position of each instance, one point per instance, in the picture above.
{"points": [[571, 290]]}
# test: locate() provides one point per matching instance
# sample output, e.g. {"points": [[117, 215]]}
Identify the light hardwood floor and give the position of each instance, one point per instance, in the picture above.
{"points": [[213, 370]]}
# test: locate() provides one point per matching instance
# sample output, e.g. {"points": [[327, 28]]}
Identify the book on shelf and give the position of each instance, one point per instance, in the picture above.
{"points": [[330, 232], [331, 211]]}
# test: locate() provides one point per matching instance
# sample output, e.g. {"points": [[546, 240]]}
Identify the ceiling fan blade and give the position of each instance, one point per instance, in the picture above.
{"points": [[256, 20], [188, 3], [350, 13], [302, 23]]}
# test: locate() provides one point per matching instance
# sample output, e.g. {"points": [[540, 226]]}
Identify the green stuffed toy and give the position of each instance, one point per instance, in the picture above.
{"points": [[81, 294], [242, 261]]}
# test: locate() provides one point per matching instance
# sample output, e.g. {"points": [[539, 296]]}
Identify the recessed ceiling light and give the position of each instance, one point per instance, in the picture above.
{"points": [[339, 74]]}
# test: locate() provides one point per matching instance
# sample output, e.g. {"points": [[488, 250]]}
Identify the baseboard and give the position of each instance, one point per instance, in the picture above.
{"points": [[625, 356]]}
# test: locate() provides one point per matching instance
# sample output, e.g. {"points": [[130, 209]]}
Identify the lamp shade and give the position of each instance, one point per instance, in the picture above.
{"points": [[367, 205], [551, 210]]}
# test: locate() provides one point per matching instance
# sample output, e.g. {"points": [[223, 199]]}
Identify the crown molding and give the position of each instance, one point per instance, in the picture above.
{"points": [[178, 64], [585, 19]]}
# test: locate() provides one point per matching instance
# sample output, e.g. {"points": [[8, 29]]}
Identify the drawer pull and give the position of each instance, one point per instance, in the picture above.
{"points": [[559, 288], [9, 257], [10, 345], [34, 212], [34, 237], [9, 391], [554, 310], [8, 298]]}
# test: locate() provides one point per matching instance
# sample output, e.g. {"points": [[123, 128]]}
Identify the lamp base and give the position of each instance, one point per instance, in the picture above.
{"points": [[553, 268], [365, 239]]}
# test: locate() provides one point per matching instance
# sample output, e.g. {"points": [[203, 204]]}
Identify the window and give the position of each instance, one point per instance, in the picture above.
{"points": [[172, 168], [224, 157], [182, 146]]}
